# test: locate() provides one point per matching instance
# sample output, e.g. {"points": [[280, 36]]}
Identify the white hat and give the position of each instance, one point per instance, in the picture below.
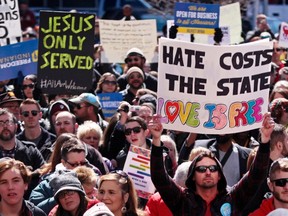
{"points": [[98, 209], [133, 70]]}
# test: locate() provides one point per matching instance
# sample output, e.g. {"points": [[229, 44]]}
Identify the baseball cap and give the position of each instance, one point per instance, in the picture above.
{"points": [[88, 98], [58, 105]]}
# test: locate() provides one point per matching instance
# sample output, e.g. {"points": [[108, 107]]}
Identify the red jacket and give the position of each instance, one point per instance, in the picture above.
{"points": [[265, 208], [156, 206]]}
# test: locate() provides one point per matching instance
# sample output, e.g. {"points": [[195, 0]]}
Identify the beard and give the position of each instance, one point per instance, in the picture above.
{"points": [[223, 139], [277, 196], [8, 136]]}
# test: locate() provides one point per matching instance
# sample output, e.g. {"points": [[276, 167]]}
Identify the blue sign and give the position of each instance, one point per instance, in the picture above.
{"points": [[189, 15], [19, 57], [110, 103]]}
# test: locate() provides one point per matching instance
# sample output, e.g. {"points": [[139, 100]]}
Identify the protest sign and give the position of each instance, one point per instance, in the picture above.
{"points": [[196, 18], [10, 27], [283, 35], [21, 57], [109, 103], [65, 62], [213, 89], [137, 166], [117, 37]]}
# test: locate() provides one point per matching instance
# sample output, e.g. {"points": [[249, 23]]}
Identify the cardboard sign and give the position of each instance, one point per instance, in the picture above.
{"points": [[196, 18], [137, 166], [21, 57], [10, 26], [283, 35], [117, 37], [109, 103], [213, 89], [65, 52]]}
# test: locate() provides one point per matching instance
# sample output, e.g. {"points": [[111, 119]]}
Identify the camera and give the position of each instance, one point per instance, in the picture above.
{"points": [[133, 108]]}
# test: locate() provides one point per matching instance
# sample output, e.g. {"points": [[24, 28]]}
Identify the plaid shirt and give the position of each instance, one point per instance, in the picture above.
{"points": [[188, 203]]}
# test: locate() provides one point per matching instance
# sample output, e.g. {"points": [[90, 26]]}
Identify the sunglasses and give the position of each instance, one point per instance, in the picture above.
{"points": [[64, 193], [82, 163], [135, 130], [26, 113], [133, 59], [202, 169], [122, 174], [31, 86], [107, 82], [79, 106], [280, 182], [281, 49]]}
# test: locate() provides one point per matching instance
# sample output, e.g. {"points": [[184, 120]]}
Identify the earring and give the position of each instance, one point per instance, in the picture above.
{"points": [[124, 209]]}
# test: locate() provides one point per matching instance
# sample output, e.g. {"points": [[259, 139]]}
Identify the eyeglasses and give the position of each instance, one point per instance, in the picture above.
{"points": [[82, 163], [64, 193], [135, 130], [132, 59], [26, 113], [281, 49], [280, 182], [107, 82], [202, 169], [31, 86], [7, 123]]}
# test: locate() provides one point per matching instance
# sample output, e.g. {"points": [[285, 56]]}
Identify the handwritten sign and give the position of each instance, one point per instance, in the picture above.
{"points": [[18, 57], [65, 52], [196, 18], [137, 166], [213, 89], [283, 35], [10, 26], [109, 103], [117, 37]]}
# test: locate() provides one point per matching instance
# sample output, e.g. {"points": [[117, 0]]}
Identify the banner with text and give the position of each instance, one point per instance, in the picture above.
{"points": [[10, 27], [117, 37], [110, 102], [196, 18], [283, 35], [66, 42], [20, 57], [137, 166], [213, 89]]}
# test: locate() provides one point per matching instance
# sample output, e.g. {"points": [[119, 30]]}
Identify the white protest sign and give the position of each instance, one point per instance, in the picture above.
{"points": [[118, 36], [213, 89], [137, 166], [283, 35], [10, 27]]}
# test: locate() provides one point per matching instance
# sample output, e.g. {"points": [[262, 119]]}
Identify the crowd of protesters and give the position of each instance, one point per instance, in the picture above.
{"points": [[61, 156]]}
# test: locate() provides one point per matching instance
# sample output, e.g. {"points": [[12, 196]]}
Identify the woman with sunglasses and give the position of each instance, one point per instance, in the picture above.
{"points": [[107, 84], [117, 191], [30, 90], [14, 181], [279, 111]]}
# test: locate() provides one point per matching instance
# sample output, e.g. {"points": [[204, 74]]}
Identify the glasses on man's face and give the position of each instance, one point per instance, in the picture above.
{"points": [[108, 82], [31, 86], [7, 123], [136, 130], [82, 163], [280, 182], [281, 49], [80, 106], [133, 59], [202, 169], [33, 113], [63, 194]]}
